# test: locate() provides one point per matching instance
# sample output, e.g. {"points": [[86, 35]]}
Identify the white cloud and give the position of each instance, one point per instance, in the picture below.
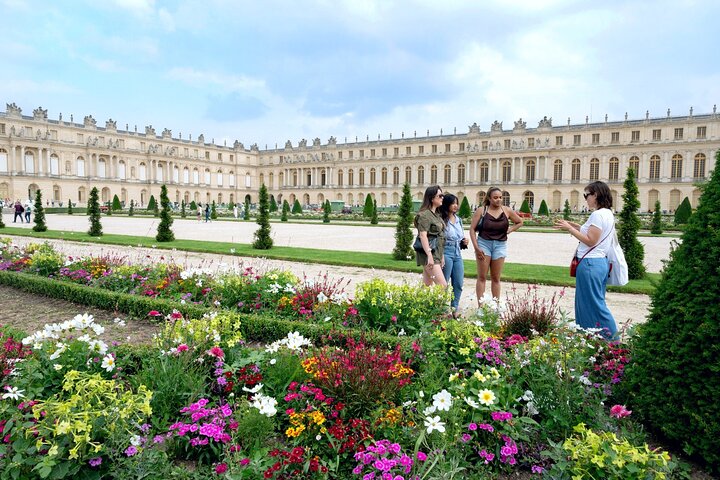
{"points": [[137, 7]]}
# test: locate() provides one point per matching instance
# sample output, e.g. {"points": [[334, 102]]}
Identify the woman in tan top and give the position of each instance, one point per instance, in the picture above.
{"points": [[430, 226], [490, 243]]}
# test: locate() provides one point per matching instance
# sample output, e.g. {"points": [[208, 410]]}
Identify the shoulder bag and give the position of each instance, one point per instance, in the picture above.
{"points": [[479, 226], [618, 274], [432, 242], [576, 261]]}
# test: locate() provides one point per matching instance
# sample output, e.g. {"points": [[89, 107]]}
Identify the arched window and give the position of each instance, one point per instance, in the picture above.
{"points": [[29, 162], [351, 177], [421, 175], [433, 175], [308, 178], [80, 167], [271, 180], [196, 177], [653, 196], [556, 201], [208, 177], [506, 198], [506, 171], [122, 170], [635, 165], [574, 199], [384, 176], [529, 197], [575, 170], [323, 177], [142, 172], [294, 177], [654, 169], [674, 199], [81, 194], [372, 176], [281, 180], [248, 180], [614, 168], [699, 170], [461, 174], [530, 171], [261, 179], [676, 167], [340, 178], [3, 163], [361, 177], [101, 168], [484, 172], [396, 176], [160, 169], [408, 175], [447, 175], [594, 169], [54, 165], [557, 171], [176, 174], [186, 175]]}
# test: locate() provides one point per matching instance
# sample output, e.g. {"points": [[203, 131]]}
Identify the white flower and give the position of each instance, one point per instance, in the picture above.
{"points": [[273, 361], [266, 405], [136, 440], [442, 400], [108, 363], [322, 298], [255, 389], [119, 322], [57, 366], [486, 397], [434, 423], [60, 349], [429, 410], [471, 402], [402, 333], [13, 393], [327, 319]]}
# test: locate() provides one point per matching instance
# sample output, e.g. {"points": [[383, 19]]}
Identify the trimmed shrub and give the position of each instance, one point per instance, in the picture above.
{"points": [[673, 381], [296, 207], [525, 207], [183, 213], [464, 211], [94, 213], [70, 210], [403, 233], [374, 216], [368, 208], [131, 212], [193, 206], [326, 211], [683, 212], [273, 204], [656, 228], [152, 204], [116, 203], [39, 219], [246, 209], [263, 241], [543, 210], [213, 211], [164, 232], [285, 210], [628, 228], [566, 210]]}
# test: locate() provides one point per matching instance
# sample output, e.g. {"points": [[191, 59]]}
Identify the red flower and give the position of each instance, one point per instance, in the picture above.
{"points": [[221, 468], [216, 352]]}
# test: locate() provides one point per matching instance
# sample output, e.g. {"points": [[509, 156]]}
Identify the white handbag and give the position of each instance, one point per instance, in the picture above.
{"points": [[618, 266]]}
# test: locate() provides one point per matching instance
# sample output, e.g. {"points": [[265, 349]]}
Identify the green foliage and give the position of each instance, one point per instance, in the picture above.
{"points": [[525, 207], [683, 212], [403, 231], [374, 216], [246, 208], [93, 210], [528, 314], [464, 211], [590, 454], [193, 206], [296, 208], [285, 210], [263, 241], [116, 203], [45, 260], [566, 210], [164, 230], [152, 203], [673, 380], [326, 211], [213, 211], [543, 210], [391, 308], [39, 212], [2, 224], [183, 213], [656, 228], [628, 227], [70, 207], [368, 208], [131, 211], [273, 204]]}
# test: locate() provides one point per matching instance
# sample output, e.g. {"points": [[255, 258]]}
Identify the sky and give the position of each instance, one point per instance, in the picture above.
{"points": [[275, 70]]}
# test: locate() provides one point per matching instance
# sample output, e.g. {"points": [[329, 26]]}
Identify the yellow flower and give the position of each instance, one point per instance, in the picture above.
{"points": [[62, 428], [464, 351], [453, 377], [480, 377], [53, 451], [486, 397]]}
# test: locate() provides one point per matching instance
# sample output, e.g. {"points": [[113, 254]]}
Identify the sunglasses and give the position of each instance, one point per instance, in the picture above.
{"points": [[585, 195], [440, 195]]}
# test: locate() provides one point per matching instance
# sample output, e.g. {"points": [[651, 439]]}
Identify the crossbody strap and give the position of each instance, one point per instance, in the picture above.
{"points": [[593, 247]]}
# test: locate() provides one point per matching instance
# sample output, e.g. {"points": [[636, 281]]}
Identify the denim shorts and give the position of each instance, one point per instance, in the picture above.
{"points": [[493, 248]]}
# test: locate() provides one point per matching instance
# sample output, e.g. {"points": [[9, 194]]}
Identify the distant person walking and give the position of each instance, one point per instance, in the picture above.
{"points": [[235, 212], [18, 212], [199, 212], [28, 210], [207, 212], [596, 237], [490, 243], [455, 241], [431, 229]]}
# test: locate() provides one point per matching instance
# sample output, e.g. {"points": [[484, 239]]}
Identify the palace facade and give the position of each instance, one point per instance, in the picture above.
{"points": [[65, 159]]}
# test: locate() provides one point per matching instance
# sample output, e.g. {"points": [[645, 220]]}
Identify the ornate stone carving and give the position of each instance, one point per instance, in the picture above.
{"points": [[89, 121], [473, 129], [92, 141], [302, 143], [520, 125], [288, 145], [167, 133], [40, 114], [238, 145], [149, 131], [332, 141], [13, 110], [545, 122], [154, 148], [254, 147], [496, 127], [170, 151], [201, 139], [316, 142], [111, 125]]}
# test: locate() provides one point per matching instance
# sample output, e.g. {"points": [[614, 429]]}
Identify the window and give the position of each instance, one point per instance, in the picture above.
{"points": [[635, 165], [529, 197], [484, 172], [396, 176], [654, 168], [433, 175], [207, 155], [2, 129], [340, 178], [351, 177], [421, 149], [595, 138], [531, 143], [461, 174], [506, 171], [186, 175], [576, 140], [701, 133], [485, 146], [506, 198], [350, 154], [396, 151], [557, 171], [384, 152], [383, 176], [219, 156], [507, 144], [372, 152], [421, 175], [362, 153], [196, 177], [340, 155], [361, 177], [408, 150], [594, 169], [635, 136], [615, 137], [408, 175], [80, 140], [530, 171], [219, 179], [54, 165], [461, 146], [447, 174], [678, 133], [231, 179], [614, 171], [434, 149], [558, 141], [447, 148], [699, 171], [207, 177], [676, 166], [176, 174], [373, 176], [575, 170]]}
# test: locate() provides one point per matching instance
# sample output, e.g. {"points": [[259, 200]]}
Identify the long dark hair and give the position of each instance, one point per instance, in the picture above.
{"points": [[603, 197], [430, 193], [448, 200], [486, 201]]}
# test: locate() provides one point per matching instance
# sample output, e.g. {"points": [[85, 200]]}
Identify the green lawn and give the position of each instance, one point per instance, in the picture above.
{"points": [[513, 272]]}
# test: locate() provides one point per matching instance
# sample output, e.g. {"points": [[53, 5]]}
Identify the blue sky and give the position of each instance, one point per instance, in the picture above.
{"points": [[274, 70]]}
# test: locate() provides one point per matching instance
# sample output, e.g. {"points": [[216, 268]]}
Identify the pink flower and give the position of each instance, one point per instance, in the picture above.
{"points": [[619, 411], [154, 313], [216, 352], [221, 468], [421, 456], [131, 450], [244, 461]]}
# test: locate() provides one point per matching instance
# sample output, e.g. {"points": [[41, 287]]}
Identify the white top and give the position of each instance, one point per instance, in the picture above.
{"points": [[604, 220]]}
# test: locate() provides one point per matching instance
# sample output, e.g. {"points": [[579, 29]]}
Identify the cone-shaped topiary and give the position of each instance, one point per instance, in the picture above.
{"points": [[374, 217], [368, 208], [2, 224], [673, 380], [628, 228], [213, 211], [464, 211], [656, 227], [183, 213], [131, 211], [525, 207], [296, 207], [93, 210], [285, 210], [246, 209], [193, 206], [152, 204], [116, 205], [326, 211], [543, 210], [70, 210], [273, 204], [566, 210], [403, 231], [164, 232], [683, 212], [263, 241], [40, 225]]}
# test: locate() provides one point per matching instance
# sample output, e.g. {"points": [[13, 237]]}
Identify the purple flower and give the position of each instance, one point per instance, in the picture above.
{"points": [[94, 462], [131, 450], [465, 437]]}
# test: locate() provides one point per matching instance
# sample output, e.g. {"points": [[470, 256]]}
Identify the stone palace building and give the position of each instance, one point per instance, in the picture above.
{"points": [[65, 159]]}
